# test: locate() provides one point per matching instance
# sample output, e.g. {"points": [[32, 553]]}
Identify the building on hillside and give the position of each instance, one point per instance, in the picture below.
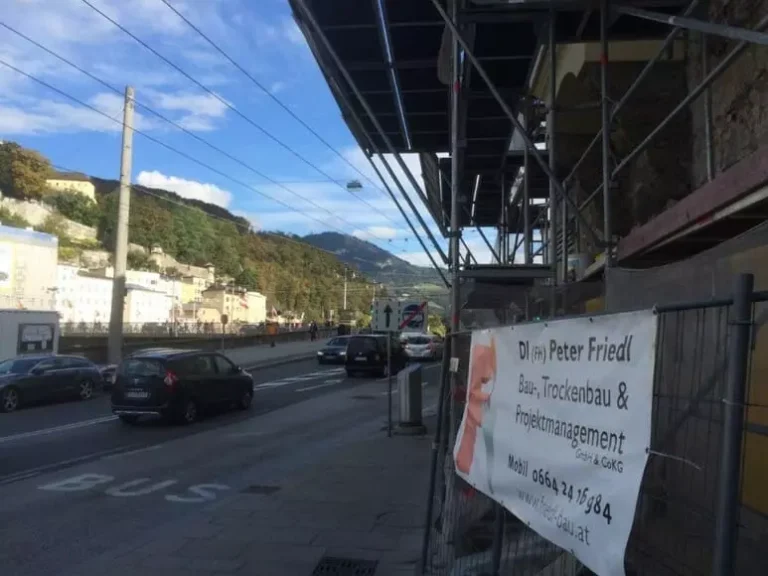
{"points": [[238, 304], [257, 307], [72, 182], [154, 281], [83, 297], [28, 262], [86, 297], [145, 306], [166, 262], [192, 288]]}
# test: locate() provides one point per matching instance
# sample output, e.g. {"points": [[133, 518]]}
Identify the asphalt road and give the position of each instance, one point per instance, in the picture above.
{"points": [[76, 488], [44, 438]]}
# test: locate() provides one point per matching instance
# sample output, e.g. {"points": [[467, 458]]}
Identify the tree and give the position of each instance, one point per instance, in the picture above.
{"points": [[56, 225], [248, 279], [74, 206], [138, 260], [8, 218], [23, 172]]}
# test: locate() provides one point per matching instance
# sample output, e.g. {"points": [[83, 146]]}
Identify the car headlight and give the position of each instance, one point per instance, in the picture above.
{"points": [[320, 353], [343, 353]]}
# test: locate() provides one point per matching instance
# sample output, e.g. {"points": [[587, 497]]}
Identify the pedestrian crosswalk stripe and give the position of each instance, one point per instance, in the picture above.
{"points": [[296, 379]]}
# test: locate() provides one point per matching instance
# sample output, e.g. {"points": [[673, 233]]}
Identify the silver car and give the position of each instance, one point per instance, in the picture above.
{"points": [[420, 346]]}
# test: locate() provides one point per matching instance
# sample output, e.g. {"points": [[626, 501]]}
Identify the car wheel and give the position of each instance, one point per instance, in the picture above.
{"points": [[10, 400], [245, 400], [350, 373], [85, 390], [189, 412], [129, 418]]}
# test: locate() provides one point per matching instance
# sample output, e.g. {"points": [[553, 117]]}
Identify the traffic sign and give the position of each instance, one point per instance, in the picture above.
{"points": [[414, 316], [386, 316]]}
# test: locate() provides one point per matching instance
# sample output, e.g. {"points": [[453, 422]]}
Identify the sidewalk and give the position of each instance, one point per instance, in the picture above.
{"points": [[360, 499], [264, 355], [365, 503]]}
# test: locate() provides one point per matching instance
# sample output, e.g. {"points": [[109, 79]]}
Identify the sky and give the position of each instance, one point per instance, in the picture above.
{"points": [[272, 171]]}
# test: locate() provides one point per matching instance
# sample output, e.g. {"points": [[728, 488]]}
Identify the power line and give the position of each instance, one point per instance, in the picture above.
{"points": [[175, 124], [271, 95], [223, 101], [167, 146], [145, 191]]}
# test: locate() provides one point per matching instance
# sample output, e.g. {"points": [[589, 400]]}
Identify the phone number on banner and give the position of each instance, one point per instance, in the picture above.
{"points": [[591, 503]]}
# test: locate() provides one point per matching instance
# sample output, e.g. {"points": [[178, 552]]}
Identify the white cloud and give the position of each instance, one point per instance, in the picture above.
{"points": [[49, 116], [191, 189], [277, 87], [291, 32]]}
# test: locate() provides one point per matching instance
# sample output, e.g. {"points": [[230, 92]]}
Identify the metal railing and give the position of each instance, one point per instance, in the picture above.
{"points": [[173, 330]]}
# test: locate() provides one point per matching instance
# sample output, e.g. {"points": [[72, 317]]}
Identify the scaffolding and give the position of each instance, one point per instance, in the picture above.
{"points": [[456, 76]]}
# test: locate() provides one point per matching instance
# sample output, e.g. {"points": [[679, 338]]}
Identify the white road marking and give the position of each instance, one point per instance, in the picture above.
{"points": [[55, 429], [296, 379], [315, 387]]}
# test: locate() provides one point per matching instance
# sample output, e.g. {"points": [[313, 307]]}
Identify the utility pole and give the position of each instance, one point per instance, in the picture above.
{"points": [[115, 344], [345, 288]]}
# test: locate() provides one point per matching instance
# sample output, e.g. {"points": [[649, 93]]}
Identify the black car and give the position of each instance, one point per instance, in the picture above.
{"points": [[367, 354], [178, 385], [30, 379], [334, 351]]}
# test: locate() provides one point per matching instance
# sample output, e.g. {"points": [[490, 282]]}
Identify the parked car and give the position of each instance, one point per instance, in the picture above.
{"points": [[367, 354], [29, 379], [334, 351], [178, 385], [108, 374], [421, 346]]}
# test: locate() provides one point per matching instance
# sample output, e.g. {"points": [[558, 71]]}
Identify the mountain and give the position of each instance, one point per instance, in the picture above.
{"points": [[379, 265]]}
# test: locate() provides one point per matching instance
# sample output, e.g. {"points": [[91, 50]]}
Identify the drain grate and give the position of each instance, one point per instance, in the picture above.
{"points": [[330, 566], [363, 397], [261, 489]]}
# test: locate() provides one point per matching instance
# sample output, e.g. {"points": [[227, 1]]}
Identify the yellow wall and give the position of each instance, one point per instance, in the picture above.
{"points": [[81, 187]]}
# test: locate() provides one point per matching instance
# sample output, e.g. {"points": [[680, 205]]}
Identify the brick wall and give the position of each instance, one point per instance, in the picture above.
{"points": [[739, 95]]}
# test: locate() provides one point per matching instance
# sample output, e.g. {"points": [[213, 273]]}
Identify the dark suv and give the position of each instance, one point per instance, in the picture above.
{"points": [[367, 354], [178, 385]]}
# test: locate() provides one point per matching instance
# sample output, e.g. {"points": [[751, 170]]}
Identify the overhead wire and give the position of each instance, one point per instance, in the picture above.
{"points": [[145, 191], [168, 146], [177, 125], [224, 102], [271, 95]]}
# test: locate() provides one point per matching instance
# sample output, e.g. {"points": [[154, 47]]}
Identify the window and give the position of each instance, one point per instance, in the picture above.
{"points": [[142, 367], [362, 345], [223, 365], [203, 366]]}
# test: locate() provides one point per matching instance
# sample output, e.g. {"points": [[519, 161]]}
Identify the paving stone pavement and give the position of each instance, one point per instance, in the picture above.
{"points": [[366, 501]]}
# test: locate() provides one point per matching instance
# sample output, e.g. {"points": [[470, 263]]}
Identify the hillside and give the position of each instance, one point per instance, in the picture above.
{"points": [[291, 273], [378, 264]]}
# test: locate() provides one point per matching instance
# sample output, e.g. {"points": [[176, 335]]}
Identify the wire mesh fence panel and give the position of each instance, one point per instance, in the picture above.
{"points": [[674, 526]]}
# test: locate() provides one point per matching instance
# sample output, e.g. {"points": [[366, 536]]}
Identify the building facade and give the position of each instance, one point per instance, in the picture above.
{"points": [[239, 305], [86, 297], [83, 297], [28, 262], [72, 182]]}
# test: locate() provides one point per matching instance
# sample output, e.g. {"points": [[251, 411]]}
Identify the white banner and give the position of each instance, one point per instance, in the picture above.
{"points": [[557, 428]]}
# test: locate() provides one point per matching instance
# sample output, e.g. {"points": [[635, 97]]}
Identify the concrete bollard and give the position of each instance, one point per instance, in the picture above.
{"points": [[410, 397]]}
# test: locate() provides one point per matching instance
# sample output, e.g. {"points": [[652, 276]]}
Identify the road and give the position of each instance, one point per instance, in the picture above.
{"points": [[131, 478]]}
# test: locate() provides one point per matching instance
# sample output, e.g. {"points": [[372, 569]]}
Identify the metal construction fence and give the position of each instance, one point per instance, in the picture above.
{"points": [[701, 508]]}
